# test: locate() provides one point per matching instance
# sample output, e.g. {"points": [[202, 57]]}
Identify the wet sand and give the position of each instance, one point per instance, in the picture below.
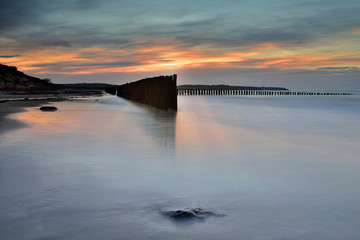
{"points": [[9, 107], [13, 103]]}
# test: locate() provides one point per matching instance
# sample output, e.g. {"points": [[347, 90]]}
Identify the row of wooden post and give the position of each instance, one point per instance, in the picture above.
{"points": [[251, 92]]}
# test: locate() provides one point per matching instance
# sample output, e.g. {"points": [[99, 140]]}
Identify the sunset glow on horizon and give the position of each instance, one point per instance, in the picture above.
{"points": [[112, 40]]}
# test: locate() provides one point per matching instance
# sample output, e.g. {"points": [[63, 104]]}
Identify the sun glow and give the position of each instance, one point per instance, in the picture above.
{"points": [[167, 57]]}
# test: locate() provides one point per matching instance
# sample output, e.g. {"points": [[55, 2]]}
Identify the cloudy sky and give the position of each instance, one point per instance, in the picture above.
{"points": [[299, 44]]}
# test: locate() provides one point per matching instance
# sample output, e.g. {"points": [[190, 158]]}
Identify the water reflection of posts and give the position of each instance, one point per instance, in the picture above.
{"points": [[164, 128], [158, 125]]}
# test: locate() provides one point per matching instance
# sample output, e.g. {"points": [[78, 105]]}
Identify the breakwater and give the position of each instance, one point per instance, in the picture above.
{"points": [[253, 92], [159, 92], [111, 90]]}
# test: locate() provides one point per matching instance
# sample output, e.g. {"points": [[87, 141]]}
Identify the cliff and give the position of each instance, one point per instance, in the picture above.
{"points": [[13, 80]]}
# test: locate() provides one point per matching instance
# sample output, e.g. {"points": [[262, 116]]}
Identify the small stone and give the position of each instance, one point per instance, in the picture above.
{"points": [[48, 108], [190, 213]]}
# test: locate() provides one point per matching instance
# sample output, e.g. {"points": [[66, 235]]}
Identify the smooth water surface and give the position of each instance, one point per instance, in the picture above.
{"points": [[104, 168]]}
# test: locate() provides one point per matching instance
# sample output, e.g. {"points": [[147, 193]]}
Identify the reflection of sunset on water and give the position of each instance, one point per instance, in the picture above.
{"points": [[198, 129], [47, 122], [78, 118]]}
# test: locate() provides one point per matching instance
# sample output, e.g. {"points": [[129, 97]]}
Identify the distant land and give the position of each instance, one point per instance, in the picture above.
{"points": [[13, 80], [85, 86]]}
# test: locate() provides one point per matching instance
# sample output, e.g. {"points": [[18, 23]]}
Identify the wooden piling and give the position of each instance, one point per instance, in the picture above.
{"points": [[159, 92]]}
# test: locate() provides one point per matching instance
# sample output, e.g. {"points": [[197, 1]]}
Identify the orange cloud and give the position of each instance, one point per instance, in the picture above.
{"points": [[163, 55], [356, 31]]}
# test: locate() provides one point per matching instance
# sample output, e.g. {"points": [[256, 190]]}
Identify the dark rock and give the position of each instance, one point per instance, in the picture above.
{"points": [[48, 108], [190, 213]]}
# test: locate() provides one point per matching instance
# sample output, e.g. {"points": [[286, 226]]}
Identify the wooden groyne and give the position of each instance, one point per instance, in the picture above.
{"points": [[253, 92], [111, 90], [159, 92]]}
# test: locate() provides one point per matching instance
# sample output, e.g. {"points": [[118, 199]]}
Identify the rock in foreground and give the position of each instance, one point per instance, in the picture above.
{"points": [[48, 108], [190, 213]]}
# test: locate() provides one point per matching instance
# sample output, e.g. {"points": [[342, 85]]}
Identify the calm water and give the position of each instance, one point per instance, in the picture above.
{"points": [[279, 168]]}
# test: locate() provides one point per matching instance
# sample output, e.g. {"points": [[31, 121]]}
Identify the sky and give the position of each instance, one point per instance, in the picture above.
{"points": [[298, 44]]}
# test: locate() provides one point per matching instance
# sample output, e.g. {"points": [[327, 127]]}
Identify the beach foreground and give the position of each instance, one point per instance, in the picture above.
{"points": [[17, 102], [259, 168]]}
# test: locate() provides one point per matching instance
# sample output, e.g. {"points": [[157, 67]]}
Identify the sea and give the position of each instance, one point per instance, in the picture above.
{"points": [[267, 167]]}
